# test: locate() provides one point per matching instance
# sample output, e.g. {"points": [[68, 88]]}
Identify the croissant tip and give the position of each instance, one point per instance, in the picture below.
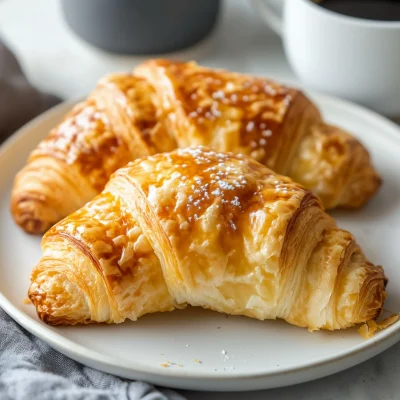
{"points": [[365, 194], [32, 226], [46, 314], [24, 210], [377, 298]]}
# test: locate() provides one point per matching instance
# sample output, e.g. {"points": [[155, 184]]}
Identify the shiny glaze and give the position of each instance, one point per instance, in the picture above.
{"points": [[85, 139], [101, 235], [233, 183], [135, 99], [88, 138], [211, 96]]}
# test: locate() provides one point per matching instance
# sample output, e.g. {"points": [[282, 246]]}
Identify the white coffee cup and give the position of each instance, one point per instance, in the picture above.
{"points": [[348, 57]]}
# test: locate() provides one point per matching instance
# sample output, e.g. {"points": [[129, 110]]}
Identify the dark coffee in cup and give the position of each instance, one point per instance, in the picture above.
{"points": [[379, 10]]}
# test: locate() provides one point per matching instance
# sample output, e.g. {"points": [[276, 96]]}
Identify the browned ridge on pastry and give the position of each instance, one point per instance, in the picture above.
{"points": [[168, 104], [115, 125], [201, 228]]}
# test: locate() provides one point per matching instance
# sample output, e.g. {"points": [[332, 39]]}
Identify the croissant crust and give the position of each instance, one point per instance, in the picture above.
{"points": [[168, 104], [202, 228]]}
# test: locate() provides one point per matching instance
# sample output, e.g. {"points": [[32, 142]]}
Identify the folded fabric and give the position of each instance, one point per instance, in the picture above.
{"points": [[19, 101], [30, 369]]}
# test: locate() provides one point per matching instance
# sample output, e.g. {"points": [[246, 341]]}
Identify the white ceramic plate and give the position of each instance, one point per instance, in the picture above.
{"points": [[235, 353]]}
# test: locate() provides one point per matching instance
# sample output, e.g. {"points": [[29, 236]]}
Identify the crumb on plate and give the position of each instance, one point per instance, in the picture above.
{"points": [[368, 329], [166, 364]]}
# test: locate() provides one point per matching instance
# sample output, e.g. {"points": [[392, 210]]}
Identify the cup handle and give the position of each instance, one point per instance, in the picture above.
{"points": [[269, 15]]}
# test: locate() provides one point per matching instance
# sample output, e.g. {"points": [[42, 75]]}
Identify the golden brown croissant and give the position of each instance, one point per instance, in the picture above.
{"points": [[208, 229], [182, 104], [115, 125], [276, 125]]}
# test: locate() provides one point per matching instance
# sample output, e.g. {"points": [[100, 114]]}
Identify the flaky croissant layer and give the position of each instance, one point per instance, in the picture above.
{"points": [[168, 104], [215, 230]]}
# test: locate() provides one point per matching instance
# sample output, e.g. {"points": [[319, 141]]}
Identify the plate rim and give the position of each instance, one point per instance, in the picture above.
{"points": [[68, 346]]}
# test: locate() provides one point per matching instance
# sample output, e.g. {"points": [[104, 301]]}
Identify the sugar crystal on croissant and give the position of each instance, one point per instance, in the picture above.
{"points": [[201, 228]]}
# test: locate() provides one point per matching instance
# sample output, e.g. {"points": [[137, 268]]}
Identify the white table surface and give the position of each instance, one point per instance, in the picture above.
{"points": [[56, 61]]}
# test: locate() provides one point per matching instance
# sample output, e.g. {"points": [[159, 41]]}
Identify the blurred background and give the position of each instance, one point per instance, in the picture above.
{"points": [[346, 48], [57, 60]]}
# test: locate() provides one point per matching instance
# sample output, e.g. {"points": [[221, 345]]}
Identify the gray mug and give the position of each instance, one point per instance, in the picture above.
{"points": [[141, 26]]}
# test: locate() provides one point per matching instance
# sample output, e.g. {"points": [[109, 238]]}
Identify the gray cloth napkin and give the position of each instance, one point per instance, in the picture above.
{"points": [[19, 101], [29, 368]]}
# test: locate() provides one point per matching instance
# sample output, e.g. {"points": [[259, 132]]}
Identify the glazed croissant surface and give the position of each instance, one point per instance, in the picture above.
{"points": [[168, 104], [201, 228], [115, 125]]}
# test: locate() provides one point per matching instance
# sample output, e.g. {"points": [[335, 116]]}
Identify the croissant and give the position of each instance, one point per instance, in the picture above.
{"points": [[116, 124], [276, 125], [201, 228], [168, 104]]}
